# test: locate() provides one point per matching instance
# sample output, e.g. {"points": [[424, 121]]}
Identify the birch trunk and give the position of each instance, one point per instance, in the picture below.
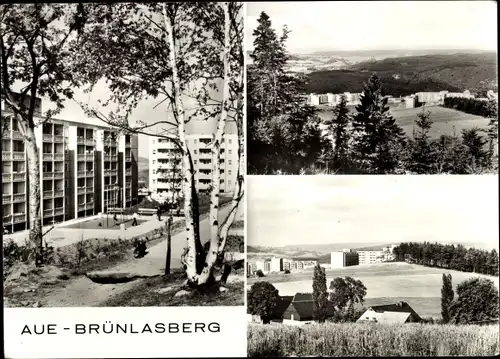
{"points": [[192, 233], [213, 251], [35, 220]]}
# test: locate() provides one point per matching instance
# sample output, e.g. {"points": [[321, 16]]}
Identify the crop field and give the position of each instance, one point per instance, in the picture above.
{"points": [[368, 340], [444, 119], [385, 283]]}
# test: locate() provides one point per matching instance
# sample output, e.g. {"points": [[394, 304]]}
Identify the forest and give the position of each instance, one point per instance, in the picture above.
{"points": [[449, 256]]}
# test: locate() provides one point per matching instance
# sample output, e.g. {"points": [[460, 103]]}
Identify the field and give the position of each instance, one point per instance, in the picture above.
{"points": [[444, 119], [372, 340], [385, 283]]}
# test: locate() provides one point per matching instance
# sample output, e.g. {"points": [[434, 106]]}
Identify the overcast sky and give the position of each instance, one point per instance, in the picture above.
{"points": [[293, 210], [380, 25]]}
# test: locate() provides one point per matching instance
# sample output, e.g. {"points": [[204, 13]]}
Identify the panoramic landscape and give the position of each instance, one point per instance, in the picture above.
{"points": [[400, 101], [403, 263], [101, 203]]}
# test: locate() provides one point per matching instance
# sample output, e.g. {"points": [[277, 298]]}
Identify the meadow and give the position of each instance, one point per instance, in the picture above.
{"points": [[446, 120], [385, 283], [347, 339]]}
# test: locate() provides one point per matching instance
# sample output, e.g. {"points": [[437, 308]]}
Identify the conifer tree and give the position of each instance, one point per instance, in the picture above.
{"points": [[378, 139], [338, 129], [447, 295], [422, 151], [475, 145], [320, 295]]}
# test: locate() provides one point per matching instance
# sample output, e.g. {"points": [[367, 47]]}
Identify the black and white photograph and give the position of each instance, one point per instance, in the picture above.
{"points": [[122, 154], [372, 87], [372, 266]]}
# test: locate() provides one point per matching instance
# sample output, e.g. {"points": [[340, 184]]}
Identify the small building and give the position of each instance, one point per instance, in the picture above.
{"points": [[314, 99], [343, 259], [397, 313], [410, 102], [276, 264], [300, 310]]}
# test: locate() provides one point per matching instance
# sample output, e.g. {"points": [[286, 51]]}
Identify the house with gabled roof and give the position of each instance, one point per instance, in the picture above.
{"points": [[300, 310], [397, 313]]}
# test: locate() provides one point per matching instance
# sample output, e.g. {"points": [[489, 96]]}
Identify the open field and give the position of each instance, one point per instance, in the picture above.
{"points": [[387, 282], [367, 340], [444, 119]]}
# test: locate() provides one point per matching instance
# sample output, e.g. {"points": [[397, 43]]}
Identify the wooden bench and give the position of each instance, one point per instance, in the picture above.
{"points": [[116, 210], [146, 211]]}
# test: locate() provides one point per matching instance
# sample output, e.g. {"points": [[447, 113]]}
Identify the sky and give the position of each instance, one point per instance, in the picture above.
{"points": [[294, 210], [380, 25]]}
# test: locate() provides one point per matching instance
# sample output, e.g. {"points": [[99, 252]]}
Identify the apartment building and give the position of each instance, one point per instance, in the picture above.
{"points": [[343, 259], [371, 257], [80, 174], [165, 163]]}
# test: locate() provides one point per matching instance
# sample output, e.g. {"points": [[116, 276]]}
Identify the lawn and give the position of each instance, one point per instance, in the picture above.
{"points": [[106, 223], [388, 282], [444, 119]]}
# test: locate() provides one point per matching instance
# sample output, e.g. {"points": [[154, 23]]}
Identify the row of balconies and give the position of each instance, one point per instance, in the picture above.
{"points": [[53, 212], [85, 173], [13, 198], [15, 135], [85, 157], [47, 137], [85, 206], [83, 190], [16, 218], [13, 177], [53, 175], [110, 172], [53, 156], [53, 194], [112, 158], [85, 141], [12, 155]]}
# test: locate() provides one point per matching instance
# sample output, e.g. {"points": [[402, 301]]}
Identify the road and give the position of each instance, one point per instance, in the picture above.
{"points": [[82, 292]]}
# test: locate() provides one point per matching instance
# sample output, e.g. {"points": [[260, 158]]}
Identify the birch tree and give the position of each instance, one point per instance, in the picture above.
{"points": [[174, 51], [36, 41]]}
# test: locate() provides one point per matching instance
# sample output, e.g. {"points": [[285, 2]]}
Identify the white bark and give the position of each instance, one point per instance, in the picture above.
{"points": [[189, 257]]}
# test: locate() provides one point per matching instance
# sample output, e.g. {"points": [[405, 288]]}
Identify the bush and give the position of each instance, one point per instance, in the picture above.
{"points": [[372, 340], [260, 273], [287, 271]]}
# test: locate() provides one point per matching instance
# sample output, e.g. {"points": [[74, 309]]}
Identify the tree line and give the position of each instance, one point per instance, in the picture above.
{"points": [[285, 134], [472, 106], [449, 256]]}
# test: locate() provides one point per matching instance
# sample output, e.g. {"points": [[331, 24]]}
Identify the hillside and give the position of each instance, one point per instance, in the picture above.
{"points": [[402, 76]]}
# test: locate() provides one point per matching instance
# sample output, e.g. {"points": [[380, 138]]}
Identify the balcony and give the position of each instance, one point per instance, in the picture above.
{"points": [[16, 135], [112, 158], [81, 190], [82, 173], [128, 186], [58, 175], [7, 219], [89, 141], [80, 156], [89, 190], [128, 172], [58, 138], [48, 156], [6, 177], [48, 212], [6, 198], [19, 217], [59, 211], [89, 205], [58, 156], [128, 144], [53, 175], [48, 137], [19, 197], [18, 155], [89, 173], [19, 177], [81, 207], [80, 140], [48, 194], [128, 158], [58, 193], [6, 156]]}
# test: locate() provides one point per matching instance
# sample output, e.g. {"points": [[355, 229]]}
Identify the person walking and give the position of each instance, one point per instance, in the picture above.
{"points": [[158, 212], [134, 221]]}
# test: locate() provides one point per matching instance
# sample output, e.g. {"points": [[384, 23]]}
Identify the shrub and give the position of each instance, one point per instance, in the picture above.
{"points": [[287, 271], [259, 273]]}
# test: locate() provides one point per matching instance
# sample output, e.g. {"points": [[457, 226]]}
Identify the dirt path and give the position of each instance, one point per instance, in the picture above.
{"points": [[82, 292]]}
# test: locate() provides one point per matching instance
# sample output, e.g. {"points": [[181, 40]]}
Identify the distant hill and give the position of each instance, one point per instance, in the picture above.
{"points": [[402, 76], [143, 163]]}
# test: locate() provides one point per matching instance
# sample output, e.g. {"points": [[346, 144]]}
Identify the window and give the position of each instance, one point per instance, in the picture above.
{"points": [[229, 183], [229, 172], [153, 141], [66, 183], [153, 161], [195, 140], [195, 151], [154, 171], [229, 141], [154, 152], [154, 181], [229, 162], [194, 161], [67, 166], [229, 151]]}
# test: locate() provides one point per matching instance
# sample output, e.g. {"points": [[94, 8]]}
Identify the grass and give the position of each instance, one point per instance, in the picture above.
{"points": [[146, 294], [109, 223], [386, 283], [349, 339]]}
